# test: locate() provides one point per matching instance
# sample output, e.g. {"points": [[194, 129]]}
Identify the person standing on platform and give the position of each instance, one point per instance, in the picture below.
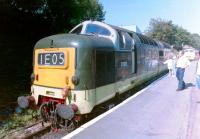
{"points": [[182, 63], [198, 71], [170, 64], [174, 66]]}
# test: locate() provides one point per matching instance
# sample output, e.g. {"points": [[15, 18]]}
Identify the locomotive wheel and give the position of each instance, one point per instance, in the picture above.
{"points": [[44, 112], [70, 125]]}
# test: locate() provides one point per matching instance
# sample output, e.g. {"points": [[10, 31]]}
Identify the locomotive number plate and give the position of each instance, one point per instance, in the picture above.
{"points": [[51, 59], [50, 93]]}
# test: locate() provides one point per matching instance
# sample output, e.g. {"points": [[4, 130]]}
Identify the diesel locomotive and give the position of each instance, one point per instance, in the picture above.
{"points": [[94, 62]]}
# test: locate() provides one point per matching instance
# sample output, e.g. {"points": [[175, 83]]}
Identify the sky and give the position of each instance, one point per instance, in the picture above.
{"points": [[184, 13]]}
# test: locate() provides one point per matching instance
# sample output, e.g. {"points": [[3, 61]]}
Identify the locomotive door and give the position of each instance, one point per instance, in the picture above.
{"points": [[105, 75]]}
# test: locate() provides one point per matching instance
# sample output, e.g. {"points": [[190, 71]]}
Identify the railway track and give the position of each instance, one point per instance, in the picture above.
{"points": [[41, 130], [30, 131]]}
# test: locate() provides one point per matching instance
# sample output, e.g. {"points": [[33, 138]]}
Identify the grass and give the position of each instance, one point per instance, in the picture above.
{"points": [[17, 122]]}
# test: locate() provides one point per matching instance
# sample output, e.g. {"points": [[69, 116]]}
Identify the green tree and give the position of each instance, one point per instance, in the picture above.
{"points": [[173, 34], [61, 15], [160, 30], [23, 22]]}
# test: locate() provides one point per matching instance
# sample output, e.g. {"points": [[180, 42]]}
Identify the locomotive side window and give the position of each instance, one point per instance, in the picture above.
{"points": [[126, 41], [161, 54], [96, 29], [77, 30], [146, 40], [154, 43], [133, 61]]}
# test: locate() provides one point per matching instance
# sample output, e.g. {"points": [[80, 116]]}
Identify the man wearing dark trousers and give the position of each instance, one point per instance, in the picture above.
{"points": [[182, 63]]}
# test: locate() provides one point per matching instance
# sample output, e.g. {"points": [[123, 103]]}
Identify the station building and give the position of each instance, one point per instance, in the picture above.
{"points": [[132, 27]]}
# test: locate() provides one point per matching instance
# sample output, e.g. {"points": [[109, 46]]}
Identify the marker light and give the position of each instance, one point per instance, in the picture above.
{"points": [[75, 80]]}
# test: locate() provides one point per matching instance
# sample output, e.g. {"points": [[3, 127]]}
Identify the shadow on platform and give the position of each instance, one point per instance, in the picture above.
{"points": [[187, 85]]}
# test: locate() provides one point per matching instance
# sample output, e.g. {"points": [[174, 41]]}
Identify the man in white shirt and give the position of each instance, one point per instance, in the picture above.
{"points": [[181, 64]]}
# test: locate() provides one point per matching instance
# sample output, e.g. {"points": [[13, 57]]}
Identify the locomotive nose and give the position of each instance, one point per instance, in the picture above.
{"points": [[54, 67]]}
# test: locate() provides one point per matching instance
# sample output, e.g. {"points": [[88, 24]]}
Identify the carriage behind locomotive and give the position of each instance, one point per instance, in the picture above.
{"points": [[73, 73]]}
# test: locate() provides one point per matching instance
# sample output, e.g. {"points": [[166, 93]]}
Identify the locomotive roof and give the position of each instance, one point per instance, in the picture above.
{"points": [[140, 37], [74, 40], [83, 37]]}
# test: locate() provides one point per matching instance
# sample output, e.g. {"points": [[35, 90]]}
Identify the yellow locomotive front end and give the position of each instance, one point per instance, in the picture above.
{"points": [[53, 70], [52, 80]]}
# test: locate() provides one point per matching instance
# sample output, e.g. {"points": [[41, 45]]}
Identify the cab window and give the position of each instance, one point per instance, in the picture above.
{"points": [[77, 30], [96, 29]]}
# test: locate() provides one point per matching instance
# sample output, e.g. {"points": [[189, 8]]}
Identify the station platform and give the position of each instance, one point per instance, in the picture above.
{"points": [[156, 112]]}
